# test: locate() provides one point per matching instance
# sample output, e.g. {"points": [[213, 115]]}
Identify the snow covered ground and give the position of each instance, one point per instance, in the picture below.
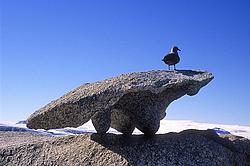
{"points": [[165, 127]]}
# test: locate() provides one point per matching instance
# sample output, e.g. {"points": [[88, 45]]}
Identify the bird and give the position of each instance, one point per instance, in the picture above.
{"points": [[172, 58]]}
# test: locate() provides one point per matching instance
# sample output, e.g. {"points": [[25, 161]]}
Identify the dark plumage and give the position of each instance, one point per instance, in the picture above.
{"points": [[172, 58]]}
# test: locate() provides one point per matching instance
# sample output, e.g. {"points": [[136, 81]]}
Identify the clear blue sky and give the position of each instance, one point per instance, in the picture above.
{"points": [[49, 47]]}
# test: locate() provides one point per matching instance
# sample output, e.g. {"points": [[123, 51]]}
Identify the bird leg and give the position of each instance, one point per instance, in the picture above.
{"points": [[174, 67], [168, 67]]}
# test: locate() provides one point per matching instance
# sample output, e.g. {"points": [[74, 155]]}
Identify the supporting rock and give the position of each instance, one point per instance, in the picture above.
{"points": [[122, 122], [101, 121]]}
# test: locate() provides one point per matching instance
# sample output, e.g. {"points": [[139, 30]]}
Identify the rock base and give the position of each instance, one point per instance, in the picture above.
{"points": [[190, 147]]}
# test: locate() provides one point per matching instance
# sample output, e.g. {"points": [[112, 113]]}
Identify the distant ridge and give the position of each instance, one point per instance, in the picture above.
{"points": [[21, 122]]}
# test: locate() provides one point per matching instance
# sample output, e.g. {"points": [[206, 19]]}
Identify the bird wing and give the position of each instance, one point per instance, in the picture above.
{"points": [[168, 57]]}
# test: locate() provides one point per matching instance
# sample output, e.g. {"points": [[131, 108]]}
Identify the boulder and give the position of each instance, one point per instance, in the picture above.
{"points": [[124, 102], [190, 147]]}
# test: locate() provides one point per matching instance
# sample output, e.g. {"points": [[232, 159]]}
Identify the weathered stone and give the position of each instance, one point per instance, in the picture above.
{"points": [[102, 126], [190, 147], [124, 102]]}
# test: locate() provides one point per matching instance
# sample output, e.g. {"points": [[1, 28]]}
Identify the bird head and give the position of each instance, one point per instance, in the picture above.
{"points": [[175, 49]]}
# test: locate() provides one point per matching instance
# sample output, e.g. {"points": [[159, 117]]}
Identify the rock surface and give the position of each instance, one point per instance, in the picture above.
{"points": [[124, 102], [190, 147]]}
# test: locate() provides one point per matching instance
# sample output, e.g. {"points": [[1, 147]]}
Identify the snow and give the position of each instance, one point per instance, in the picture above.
{"points": [[165, 127], [179, 125]]}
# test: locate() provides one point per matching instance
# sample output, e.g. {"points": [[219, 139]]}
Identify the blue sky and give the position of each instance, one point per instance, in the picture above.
{"points": [[49, 47]]}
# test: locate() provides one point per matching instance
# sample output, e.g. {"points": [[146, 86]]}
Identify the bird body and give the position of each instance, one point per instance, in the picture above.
{"points": [[172, 58]]}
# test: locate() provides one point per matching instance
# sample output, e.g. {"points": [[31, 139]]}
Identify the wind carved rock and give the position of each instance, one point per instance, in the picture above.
{"points": [[124, 102]]}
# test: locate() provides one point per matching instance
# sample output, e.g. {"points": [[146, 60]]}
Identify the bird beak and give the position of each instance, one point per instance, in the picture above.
{"points": [[178, 49]]}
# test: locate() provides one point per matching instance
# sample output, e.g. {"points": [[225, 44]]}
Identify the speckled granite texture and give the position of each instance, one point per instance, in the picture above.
{"points": [[130, 100], [190, 147]]}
